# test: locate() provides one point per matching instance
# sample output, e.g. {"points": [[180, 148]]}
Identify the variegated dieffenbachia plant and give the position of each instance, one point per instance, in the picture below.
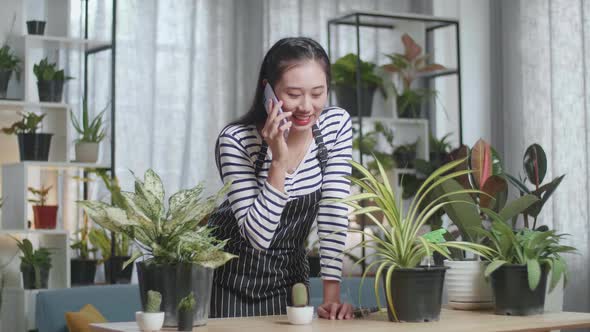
{"points": [[165, 237]]}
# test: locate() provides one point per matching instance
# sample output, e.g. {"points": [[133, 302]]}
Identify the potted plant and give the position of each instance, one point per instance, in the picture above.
{"points": [[82, 267], [31, 144], [9, 63], [409, 66], [186, 308], [344, 75], [413, 291], [35, 27], [50, 81], [100, 240], [45, 215], [439, 149], [181, 255], [519, 266], [151, 319], [35, 265], [299, 312], [405, 155], [92, 133]]}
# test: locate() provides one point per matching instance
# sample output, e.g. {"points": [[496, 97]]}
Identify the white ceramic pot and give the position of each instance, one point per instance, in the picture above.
{"points": [[86, 152], [466, 286], [300, 315], [149, 321]]}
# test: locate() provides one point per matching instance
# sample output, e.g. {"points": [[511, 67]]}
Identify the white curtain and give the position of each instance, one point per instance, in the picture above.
{"points": [[545, 93]]}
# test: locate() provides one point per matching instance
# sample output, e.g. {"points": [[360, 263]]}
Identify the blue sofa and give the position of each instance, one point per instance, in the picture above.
{"points": [[118, 303]]}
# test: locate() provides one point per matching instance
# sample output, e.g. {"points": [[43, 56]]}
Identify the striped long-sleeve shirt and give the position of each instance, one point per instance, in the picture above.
{"points": [[257, 205]]}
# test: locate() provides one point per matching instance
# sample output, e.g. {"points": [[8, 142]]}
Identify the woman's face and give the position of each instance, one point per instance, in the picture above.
{"points": [[303, 90]]}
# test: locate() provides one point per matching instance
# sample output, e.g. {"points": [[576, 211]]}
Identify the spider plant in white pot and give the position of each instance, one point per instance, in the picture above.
{"points": [[413, 291], [91, 132]]}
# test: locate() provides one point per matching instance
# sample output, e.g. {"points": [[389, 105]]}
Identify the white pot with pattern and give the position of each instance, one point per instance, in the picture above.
{"points": [[466, 286]]}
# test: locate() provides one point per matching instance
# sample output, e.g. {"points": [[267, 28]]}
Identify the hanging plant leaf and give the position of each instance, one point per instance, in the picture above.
{"points": [[481, 162], [535, 164]]}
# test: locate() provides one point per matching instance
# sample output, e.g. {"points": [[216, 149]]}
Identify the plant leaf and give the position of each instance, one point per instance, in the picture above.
{"points": [[534, 273], [481, 162], [517, 206], [496, 187], [493, 266], [535, 164], [464, 216]]}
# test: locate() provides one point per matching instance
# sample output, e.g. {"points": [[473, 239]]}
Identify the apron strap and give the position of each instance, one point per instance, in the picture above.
{"points": [[319, 141]]}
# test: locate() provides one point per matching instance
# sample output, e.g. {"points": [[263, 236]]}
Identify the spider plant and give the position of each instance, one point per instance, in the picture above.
{"points": [[401, 245]]}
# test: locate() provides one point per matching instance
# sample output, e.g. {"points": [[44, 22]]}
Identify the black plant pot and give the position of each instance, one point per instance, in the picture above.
{"points": [[407, 107], [50, 91], [185, 320], [34, 146], [438, 158], [512, 293], [175, 282], [82, 271], [120, 275], [28, 273], [314, 266], [36, 27], [4, 79], [416, 293], [404, 159], [347, 99]]}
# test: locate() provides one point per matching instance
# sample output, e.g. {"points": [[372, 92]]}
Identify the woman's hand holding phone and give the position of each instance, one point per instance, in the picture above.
{"points": [[274, 133]]}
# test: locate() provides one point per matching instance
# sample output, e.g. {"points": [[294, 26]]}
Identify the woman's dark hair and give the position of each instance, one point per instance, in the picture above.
{"points": [[281, 57]]}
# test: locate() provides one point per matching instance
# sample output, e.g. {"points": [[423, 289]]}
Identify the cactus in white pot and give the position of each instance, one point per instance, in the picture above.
{"points": [[300, 312], [152, 318]]}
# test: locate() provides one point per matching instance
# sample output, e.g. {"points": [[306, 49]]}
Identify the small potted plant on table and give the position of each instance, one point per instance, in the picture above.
{"points": [[152, 319]]}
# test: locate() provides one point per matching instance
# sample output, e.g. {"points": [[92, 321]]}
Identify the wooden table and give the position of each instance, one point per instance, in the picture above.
{"points": [[450, 320]]}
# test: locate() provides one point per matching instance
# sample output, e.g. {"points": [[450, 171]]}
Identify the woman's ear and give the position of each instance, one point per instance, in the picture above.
{"points": [[264, 81]]}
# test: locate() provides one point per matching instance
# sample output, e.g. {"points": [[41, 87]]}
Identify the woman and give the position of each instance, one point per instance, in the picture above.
{"points": [[277, 185]]}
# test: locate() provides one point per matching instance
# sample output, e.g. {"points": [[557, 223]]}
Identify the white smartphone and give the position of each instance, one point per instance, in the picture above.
{"points": [[268, 96]]}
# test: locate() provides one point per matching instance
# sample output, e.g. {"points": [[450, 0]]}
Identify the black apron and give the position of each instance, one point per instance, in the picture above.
{"points": [[258, 282]]}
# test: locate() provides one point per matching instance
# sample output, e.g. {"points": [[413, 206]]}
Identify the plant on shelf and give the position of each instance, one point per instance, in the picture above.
{"points": [[45, 216], [50, 81], [367, 146], [172, 241], [400, 249], [100, 239], [409, 66], [9, 63], [405, 155], [152, 318], [32, 145], [83, 267], [35, 264], [186, 309], [91, 132], [344, 80], [520, 264], [535, 168]]}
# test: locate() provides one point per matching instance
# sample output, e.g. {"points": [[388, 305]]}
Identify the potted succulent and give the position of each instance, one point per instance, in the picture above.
{"points": [[413, 291], [35, 27], [520, 264], [32, 145], [152, 318], [344, 75], [92, 133], [300, 312], [405, 155], [186, 309], [50, 81], [35, 265], [409, 66], [9, 63], [83, 267], [181, 255], [45, 215]]}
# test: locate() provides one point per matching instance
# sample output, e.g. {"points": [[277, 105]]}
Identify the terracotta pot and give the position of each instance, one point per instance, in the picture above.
{"points": [[45, 216]]}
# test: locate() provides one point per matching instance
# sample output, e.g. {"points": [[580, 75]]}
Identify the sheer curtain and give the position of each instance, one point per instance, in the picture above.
{"points": [[544, 93]]}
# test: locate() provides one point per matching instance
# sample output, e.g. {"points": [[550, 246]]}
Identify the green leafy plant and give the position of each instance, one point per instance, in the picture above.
{"points": [[91, 130], [47, 71], [300, 295], [344, 72], [166, 237], [8, 60], [37, 259], [100, 240], [538, 250], [187, 303], [27, 125], [41, 195], [367, 145], [401, 246], [154, 300], [439, 146], [81, 245], [535, 168], [405, 155]]}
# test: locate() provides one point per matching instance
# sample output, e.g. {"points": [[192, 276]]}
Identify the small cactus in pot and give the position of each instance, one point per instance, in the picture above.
{"points": [[300, 312], [186, 312], [152, 318]]}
